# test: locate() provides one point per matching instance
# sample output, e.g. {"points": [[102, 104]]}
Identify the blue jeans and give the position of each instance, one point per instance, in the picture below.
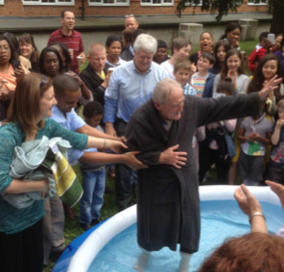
{"points": [[92, 199]]}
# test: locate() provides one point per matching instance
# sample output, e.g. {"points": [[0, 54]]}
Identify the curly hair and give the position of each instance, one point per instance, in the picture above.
{"points": [[253, 252]]}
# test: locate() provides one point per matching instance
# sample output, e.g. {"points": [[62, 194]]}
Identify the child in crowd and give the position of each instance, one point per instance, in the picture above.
{"points": [[275, 167], [206, 45], [93, 175], [214, 149], [202, 81], [280, 52], [232, 34], [268, 67], [221, 48], [232, 68], [180, 50], [162, 52], [277, 45], [254, 135], [182, 71], [259, 52]]}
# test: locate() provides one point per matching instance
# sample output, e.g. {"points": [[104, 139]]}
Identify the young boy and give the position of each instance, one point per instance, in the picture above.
{"points": [[94, 175], [182, 72], [180, 50], [254, 134], [275, 167], [259, 52], [202, 80]]}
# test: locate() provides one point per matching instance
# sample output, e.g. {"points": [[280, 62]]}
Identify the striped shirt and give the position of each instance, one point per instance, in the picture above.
{"points": [[198, 83], [73, 41]]}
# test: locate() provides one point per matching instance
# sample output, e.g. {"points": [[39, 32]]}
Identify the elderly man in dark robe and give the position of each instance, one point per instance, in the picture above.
{"points": [[162, 130]]}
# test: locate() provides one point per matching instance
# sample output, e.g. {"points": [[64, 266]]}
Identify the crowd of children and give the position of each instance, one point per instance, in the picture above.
{"points": [[214, 71]]}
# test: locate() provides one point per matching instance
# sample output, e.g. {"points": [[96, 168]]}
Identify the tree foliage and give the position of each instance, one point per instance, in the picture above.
{"points": [[222, 7]]}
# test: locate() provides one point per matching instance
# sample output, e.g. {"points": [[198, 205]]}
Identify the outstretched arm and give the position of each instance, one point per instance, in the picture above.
{"points": [[251, 207]]}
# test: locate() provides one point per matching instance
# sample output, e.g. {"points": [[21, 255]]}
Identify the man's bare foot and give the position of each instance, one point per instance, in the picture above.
{"points": [[142, 261]]}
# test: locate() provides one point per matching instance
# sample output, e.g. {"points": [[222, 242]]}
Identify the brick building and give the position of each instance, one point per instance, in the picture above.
{"points": [[51, 8]]}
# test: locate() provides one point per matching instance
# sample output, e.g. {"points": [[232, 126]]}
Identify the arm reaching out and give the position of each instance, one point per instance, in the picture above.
{"points": [[250, 205], [278, 189]]}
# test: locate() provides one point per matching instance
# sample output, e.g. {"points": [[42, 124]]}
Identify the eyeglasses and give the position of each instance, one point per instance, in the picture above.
{"points": [[4, 48], [43, 81], [130, 15]]}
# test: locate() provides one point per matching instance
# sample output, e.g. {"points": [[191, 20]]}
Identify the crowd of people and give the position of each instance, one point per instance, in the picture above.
{"points": [[152, 114]]}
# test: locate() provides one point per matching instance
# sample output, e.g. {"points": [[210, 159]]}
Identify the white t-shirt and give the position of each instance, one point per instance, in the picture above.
{"points": [[168, 68]]}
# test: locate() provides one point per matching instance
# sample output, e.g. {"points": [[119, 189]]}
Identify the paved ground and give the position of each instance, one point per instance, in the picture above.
{"points": [[40, 24]]}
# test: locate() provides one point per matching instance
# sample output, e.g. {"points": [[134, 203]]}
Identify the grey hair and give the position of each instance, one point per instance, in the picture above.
{"points": [[145, 42], [163, 89]]}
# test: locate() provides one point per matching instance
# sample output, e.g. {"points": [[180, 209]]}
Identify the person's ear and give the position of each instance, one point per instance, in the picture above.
{"points": [[157, 104]]}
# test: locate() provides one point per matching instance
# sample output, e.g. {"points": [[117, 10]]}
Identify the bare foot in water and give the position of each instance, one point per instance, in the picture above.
{"points": [[142, 261]]}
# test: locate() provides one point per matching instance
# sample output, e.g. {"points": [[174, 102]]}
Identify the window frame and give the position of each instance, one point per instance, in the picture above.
{"points": [[109, 4], [157, 5], [257, 4], [39, 2], [193, 5]]}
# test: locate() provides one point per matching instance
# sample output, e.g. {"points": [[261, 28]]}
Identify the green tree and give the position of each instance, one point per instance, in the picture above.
{"points": [[223, 7]]}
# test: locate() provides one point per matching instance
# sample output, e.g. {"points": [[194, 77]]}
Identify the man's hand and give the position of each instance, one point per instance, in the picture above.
{"points": [[132, 162], [106, 81], [82, 55], [172, 157], [247, 202], [278, 189], [268, 86]]}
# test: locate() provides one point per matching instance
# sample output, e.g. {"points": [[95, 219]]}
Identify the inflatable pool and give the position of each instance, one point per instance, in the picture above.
{"points": [[112, 245]]}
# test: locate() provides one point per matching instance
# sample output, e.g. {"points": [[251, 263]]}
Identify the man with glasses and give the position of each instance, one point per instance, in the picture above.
{"points": [[131, 22], [66, 34]]}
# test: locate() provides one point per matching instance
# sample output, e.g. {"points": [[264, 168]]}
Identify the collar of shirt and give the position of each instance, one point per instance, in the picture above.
{"points": [[131, 49], [114, 65], [61, 32], [135, 69]]}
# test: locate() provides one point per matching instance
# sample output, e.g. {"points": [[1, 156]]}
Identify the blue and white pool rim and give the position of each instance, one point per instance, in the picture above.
{"points": [[98, 238]]}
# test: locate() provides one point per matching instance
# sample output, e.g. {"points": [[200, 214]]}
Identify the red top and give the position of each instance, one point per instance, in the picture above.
{"points": [[255, 57], [74, 41]]}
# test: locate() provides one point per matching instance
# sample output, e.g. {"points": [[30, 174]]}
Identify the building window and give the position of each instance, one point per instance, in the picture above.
{"points": [[49, 2], [157, 2], [1, 2], [108, 2], [190, 3], [257, 2]]}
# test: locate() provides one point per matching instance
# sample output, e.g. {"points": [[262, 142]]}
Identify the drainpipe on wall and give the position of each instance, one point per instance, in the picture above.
{"points": [[83, 10]]}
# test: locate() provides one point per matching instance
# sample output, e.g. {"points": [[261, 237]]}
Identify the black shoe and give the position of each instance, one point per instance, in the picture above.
{"points": [[85, 227], [96, 221], [55, 253]]}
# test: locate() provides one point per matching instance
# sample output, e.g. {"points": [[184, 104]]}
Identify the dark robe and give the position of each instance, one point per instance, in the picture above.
{"points": [[168, 199], [94, 83]]}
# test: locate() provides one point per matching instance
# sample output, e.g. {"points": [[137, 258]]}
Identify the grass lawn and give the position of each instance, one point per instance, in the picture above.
{"points": [[72, 228]]}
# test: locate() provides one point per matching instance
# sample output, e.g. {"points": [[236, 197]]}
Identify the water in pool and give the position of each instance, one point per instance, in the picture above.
{"points": [[219, 220]]}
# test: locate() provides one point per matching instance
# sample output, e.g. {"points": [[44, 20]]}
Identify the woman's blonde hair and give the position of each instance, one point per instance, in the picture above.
{"points": [[25, 104]]}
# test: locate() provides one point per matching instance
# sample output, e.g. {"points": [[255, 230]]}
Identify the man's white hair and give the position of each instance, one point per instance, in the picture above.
{"points": [[163, 89], [145, 42]]}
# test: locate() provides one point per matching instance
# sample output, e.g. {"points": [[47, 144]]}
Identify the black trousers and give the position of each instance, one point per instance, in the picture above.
{"points": [[207, 157], [123, 174], [22, 251]]}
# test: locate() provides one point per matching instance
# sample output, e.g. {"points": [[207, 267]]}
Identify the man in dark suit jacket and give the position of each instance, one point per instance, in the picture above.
{"points": [[94, 75]]}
